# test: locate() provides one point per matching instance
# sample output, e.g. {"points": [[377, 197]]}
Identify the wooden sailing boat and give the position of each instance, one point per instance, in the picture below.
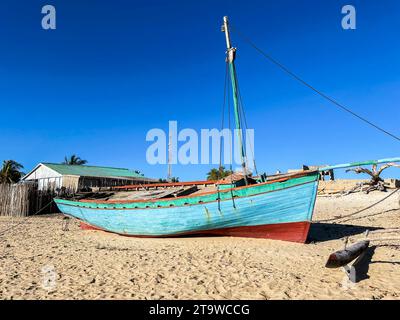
{"points": [[278, 207]]}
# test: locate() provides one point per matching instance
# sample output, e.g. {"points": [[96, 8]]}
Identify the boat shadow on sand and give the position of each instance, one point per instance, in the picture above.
{"points": [[320, 232]]}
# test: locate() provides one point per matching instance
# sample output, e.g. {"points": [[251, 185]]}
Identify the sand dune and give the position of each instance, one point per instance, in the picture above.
{"points": [[40, 261]]}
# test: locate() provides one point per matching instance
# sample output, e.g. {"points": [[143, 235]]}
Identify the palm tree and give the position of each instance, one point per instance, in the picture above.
{"points": [[74, 160], [10, 172], [216, 174]]}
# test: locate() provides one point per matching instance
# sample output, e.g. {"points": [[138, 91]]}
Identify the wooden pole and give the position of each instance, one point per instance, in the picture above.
{"points": [[343, 257]]}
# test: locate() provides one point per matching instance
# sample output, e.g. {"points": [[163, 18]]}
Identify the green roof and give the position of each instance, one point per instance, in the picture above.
{"points": [[92, 171]]}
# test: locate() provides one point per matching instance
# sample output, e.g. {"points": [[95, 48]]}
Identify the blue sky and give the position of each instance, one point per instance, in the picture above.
{"points": [[112, 70]]}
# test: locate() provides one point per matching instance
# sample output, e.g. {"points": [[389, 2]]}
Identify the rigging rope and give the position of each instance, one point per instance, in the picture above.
{"points": [[242, 125], [296, 77], [362, 210], [245, 125], [220, 145], [230, 145]]}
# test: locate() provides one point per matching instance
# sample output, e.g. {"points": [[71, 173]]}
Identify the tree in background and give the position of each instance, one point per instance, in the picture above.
{"points": [[376, 182], [10, 172], [74, 160], [216, 174]]}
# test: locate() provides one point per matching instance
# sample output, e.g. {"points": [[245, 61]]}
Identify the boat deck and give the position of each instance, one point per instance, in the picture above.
{"points": [[157, 191]]}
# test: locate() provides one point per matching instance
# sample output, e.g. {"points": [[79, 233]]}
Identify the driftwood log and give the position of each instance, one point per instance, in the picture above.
{"points": [[376, 182], [342, 258]]}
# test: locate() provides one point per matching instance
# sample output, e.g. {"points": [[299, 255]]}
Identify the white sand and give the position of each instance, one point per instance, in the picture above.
{"points": [[93, 264]]}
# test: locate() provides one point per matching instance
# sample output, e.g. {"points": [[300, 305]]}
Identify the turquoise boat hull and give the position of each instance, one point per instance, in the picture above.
{"points": [[277, 210]]}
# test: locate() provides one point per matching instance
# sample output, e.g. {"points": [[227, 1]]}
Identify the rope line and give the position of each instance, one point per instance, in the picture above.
{"points": [[362, 210], [246, 127], [230, 144], [222, 127], [296, 77]]}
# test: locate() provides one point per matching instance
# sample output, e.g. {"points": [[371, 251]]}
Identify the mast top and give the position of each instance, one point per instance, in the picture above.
{"points": [[230, 51], [225, 28]]}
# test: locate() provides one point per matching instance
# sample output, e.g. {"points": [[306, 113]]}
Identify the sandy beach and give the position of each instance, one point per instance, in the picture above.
{"points": [[38, 260]]}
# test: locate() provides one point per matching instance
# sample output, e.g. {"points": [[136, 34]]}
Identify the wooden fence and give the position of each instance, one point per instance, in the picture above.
{"points": [[21, 200]]}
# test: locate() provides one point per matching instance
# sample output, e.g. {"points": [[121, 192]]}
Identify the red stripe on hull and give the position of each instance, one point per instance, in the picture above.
{"points": [[85, 226], [293, 231]]}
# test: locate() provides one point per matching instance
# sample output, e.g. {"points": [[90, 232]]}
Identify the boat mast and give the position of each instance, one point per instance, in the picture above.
{"points": [[169, 158], [230, 56]]}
